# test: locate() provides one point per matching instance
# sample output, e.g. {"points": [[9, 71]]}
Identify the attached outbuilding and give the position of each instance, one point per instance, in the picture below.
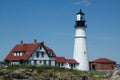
{"points": [[72, 64], [60, 61]]}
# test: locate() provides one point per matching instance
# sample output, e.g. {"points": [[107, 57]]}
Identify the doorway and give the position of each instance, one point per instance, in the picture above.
{"points": [[94, 67]]}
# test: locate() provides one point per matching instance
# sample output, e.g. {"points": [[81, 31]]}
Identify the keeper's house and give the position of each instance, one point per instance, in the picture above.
{"points": [[38, 54]]}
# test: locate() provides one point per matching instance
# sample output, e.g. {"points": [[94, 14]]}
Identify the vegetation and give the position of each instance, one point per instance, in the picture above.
{"points": [[93, 75]]}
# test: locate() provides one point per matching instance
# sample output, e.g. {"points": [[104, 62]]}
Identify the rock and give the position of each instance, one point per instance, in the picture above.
{"points": [[28, 73], [17, 74], [29, 70], [115, 75], [4, 71], [34, 73], [31, 78], [116, 72]]}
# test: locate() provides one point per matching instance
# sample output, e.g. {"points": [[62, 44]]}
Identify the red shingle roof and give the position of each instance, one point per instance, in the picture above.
{"points": [[103, 60], [72, 61], [60, 59], [63, 60], [28, 49]]}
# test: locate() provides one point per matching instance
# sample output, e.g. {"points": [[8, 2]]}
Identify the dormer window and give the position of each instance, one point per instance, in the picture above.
{"points": [[18, 53], [49, 52]]}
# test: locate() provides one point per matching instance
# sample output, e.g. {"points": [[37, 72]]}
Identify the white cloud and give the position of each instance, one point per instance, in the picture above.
{"points": [[82, 2], [86, 2], [77, 3]]}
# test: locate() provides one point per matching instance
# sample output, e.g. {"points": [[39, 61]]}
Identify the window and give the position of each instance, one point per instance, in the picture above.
{"points": [[84, 52], [49, 52], [61, 64], [81, 17], [69, 64], [42, 54], [40, 61], [18, 53], [58, 64], [44, 62], [74, 65], [37, 54], [15, 54], [40, 47], [35, 62], [49, 62]]}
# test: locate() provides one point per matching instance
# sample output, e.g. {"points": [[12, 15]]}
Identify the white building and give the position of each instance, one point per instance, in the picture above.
{"points": [[37, 54]]}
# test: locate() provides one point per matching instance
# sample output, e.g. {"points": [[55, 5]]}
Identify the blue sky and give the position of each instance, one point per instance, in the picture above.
{"points": [[52, 21]]}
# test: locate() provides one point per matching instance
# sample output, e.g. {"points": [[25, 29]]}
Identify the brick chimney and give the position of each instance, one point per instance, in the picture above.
{"points": [[42, 43], [21, 42], [35, 40]]}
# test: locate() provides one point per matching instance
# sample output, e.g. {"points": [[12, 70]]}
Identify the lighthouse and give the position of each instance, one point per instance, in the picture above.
{"points": [[80, 53]]}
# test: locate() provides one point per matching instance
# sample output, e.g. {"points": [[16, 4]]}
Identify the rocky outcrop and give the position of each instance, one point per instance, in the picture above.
{"points": [[32, 74], [115, 75], [28, 74], [46, 73]]}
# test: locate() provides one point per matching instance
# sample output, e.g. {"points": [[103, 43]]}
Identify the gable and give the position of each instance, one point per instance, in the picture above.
{"points": [[50, 52]]}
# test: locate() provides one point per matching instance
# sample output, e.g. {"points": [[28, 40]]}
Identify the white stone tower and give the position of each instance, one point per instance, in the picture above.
{"points": [[80, 47]]}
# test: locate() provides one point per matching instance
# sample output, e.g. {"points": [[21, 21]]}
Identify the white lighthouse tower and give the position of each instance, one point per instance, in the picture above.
{"points": [[80, 47]]}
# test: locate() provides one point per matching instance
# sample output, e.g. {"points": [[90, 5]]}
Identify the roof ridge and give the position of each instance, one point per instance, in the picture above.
{"points": [[102, 60]]}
